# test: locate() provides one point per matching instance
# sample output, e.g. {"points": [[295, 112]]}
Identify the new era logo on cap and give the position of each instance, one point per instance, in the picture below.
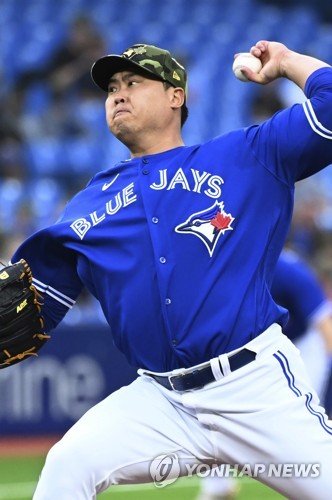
{"points": [[139, 49], [153, 60]]}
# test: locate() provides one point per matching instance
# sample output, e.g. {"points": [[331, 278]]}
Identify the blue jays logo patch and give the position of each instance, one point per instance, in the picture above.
{"points": [[208, 225]]}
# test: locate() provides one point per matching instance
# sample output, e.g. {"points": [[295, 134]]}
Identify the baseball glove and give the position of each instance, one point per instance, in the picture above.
{"points": [[21, 322]]}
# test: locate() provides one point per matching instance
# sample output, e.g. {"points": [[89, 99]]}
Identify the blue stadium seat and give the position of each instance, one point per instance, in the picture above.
{"points": [[12, 198], [83, 156], [45, 157]]}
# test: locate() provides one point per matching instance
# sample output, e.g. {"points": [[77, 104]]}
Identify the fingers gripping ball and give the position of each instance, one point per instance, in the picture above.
{"points": [[246, 60], [21, 322]]}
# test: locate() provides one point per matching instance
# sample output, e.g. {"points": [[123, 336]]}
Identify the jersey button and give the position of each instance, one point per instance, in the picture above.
{"points": [[162, 260], [155, 220], [168, 301], [145, 172], [174, 342], [145, 161]]}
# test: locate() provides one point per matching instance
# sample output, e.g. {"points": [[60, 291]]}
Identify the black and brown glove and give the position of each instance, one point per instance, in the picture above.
{"points": [[21, 322]]}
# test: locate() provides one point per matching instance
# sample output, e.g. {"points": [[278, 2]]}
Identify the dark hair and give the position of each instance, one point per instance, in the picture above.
{"points": [[184, 109]]}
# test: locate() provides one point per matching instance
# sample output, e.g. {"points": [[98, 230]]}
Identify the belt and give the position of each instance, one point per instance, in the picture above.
{"points": [[200, 377]]}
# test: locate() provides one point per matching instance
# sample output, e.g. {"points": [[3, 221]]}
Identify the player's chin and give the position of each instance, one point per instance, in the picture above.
{"points": [[112, 123], [121, 131], [119, 122]]}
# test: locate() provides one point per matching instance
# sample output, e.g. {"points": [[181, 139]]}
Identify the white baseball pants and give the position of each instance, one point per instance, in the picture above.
{"points": [[263, 413]]}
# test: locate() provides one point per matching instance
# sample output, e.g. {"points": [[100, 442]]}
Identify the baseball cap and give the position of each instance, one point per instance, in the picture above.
{"points": [[148, 58]]}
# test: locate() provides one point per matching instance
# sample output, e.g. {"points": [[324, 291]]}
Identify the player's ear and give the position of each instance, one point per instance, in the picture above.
{"points": [[177, 97]]}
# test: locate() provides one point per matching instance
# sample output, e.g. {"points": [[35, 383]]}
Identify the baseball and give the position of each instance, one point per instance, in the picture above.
{"points": [[245, 59]]}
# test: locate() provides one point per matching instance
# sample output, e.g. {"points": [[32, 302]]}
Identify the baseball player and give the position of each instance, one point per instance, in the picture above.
{"points": [[179, 244], [328, 394], [296, 287]]}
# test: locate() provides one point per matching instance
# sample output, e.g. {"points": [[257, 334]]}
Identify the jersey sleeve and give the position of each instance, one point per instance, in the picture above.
{"points": [[297, 142], [54, 271]]}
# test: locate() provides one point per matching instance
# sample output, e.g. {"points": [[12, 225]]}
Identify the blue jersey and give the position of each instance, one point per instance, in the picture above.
{"points": [[180, 247], [297, 288]]}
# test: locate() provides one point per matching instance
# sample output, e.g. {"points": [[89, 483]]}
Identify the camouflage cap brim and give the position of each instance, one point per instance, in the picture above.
{"points": [[103, 69], [147, 59]]}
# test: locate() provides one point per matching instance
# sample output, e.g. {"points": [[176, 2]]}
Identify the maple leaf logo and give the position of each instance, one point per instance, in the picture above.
{"points": [[222, 221]]}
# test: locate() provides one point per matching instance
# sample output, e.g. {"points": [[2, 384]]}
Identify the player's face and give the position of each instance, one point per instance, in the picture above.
{"points": [[137, 105]]}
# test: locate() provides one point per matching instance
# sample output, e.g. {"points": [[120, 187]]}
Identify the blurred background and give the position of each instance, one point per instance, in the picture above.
{"points": [[53, 138]]}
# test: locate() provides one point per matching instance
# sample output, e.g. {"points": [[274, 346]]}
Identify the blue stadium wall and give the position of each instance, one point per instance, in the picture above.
{"points": [[46, 395]]}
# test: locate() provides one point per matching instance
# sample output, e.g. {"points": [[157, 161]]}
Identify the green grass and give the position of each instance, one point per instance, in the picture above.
{"points": [[18, 477]]}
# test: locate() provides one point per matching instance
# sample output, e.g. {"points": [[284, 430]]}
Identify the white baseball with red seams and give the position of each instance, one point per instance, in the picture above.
{"points": [[245, 60]]}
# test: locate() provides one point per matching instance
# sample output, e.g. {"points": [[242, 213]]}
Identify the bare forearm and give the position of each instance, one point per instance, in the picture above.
{"points": [[298, 67]]}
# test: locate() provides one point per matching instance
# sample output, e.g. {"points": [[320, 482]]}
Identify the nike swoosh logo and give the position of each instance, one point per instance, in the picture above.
{"points": [[108, 184]]}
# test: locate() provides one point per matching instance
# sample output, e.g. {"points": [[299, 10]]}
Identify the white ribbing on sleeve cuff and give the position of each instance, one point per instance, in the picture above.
{"points": [[52, 292], [314, 122]]}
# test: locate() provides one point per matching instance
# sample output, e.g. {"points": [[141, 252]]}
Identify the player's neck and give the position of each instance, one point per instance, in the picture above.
{"points": [[154, 150], [153, 145]]}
